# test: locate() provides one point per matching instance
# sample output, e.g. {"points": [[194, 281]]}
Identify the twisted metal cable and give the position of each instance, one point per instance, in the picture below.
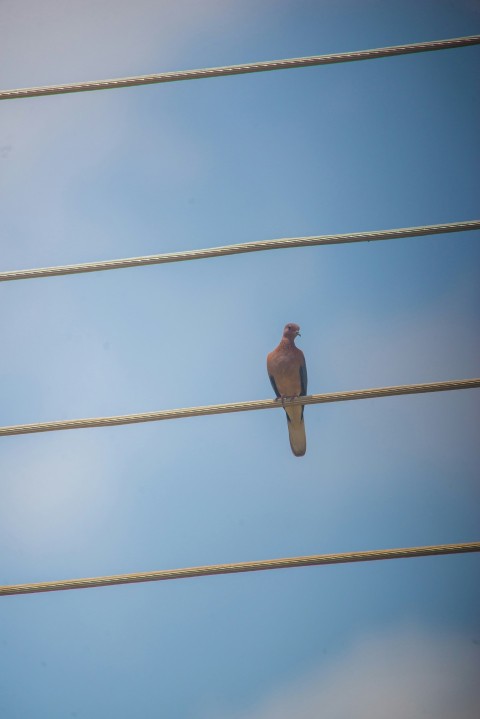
{"points": [[278, 244], [210, 570], [238, 407], [242, 69]]}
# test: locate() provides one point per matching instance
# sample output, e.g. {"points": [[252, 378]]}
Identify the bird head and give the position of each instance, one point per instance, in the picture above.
{"points": [[291, 331]]}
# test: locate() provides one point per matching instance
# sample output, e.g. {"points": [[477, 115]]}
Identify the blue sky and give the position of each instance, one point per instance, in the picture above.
{"points": [[360, 146]]}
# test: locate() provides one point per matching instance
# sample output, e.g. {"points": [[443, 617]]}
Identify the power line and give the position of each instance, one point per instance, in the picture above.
{"points": [[261, 245], [234, 568], [242, 69], [237, 407]]}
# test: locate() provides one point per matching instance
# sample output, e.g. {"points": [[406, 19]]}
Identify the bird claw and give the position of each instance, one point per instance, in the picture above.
{"points": [[284, 397]]}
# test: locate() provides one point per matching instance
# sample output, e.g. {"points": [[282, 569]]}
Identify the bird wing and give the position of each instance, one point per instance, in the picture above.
{"points": [[274, 384], [303, 377]]}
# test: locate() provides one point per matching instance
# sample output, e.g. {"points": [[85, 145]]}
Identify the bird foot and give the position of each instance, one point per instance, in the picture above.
{"points": [[283, 397]]}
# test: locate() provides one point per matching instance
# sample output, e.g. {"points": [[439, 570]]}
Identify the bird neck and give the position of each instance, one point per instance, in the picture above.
{"points": [[287, 342]]}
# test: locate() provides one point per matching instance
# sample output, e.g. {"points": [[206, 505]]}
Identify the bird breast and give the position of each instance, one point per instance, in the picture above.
{"points": [[285, 372]]}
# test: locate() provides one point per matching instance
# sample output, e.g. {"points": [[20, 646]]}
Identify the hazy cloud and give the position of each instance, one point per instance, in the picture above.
{"points": [[406, 673]]}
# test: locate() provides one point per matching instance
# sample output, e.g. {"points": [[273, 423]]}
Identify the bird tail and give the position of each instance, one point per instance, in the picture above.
{"points": [[296, 430]]}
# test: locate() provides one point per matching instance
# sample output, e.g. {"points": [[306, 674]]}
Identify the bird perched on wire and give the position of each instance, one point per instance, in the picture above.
{"points": [[288, 374]]}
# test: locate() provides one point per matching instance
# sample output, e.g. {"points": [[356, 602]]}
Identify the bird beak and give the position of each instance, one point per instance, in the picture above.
{"points": [[298, 334]]}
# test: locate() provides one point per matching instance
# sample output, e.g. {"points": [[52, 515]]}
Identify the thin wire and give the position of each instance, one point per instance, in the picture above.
{"points": [[242, 69], [237, 407], [234, 568], [278, 244]]}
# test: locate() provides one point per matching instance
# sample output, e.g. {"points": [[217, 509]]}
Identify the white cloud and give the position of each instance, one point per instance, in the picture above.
{"points": [[54, 41], [54, 493], [59, 155], [406, 673]]}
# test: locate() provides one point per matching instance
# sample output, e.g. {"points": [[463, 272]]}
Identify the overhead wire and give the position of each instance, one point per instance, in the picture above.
{"points": [[237, 567], [258, 246], [325, 559], [113, 421], [226, 70]]}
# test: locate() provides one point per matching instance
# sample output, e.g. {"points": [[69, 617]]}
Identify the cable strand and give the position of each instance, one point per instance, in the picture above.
{"points": [[237, 407], [226, 70], [237, 567], [261, 245]]}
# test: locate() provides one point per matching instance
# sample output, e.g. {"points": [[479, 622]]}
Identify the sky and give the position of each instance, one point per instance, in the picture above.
{"points": [[92, 176]]}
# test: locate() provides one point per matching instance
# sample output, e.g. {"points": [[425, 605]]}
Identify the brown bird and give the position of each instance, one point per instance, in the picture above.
{"points": [[288, 374]]}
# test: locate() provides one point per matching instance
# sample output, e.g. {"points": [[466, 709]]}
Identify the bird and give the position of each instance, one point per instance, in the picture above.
{"points": [[288, 374]]}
